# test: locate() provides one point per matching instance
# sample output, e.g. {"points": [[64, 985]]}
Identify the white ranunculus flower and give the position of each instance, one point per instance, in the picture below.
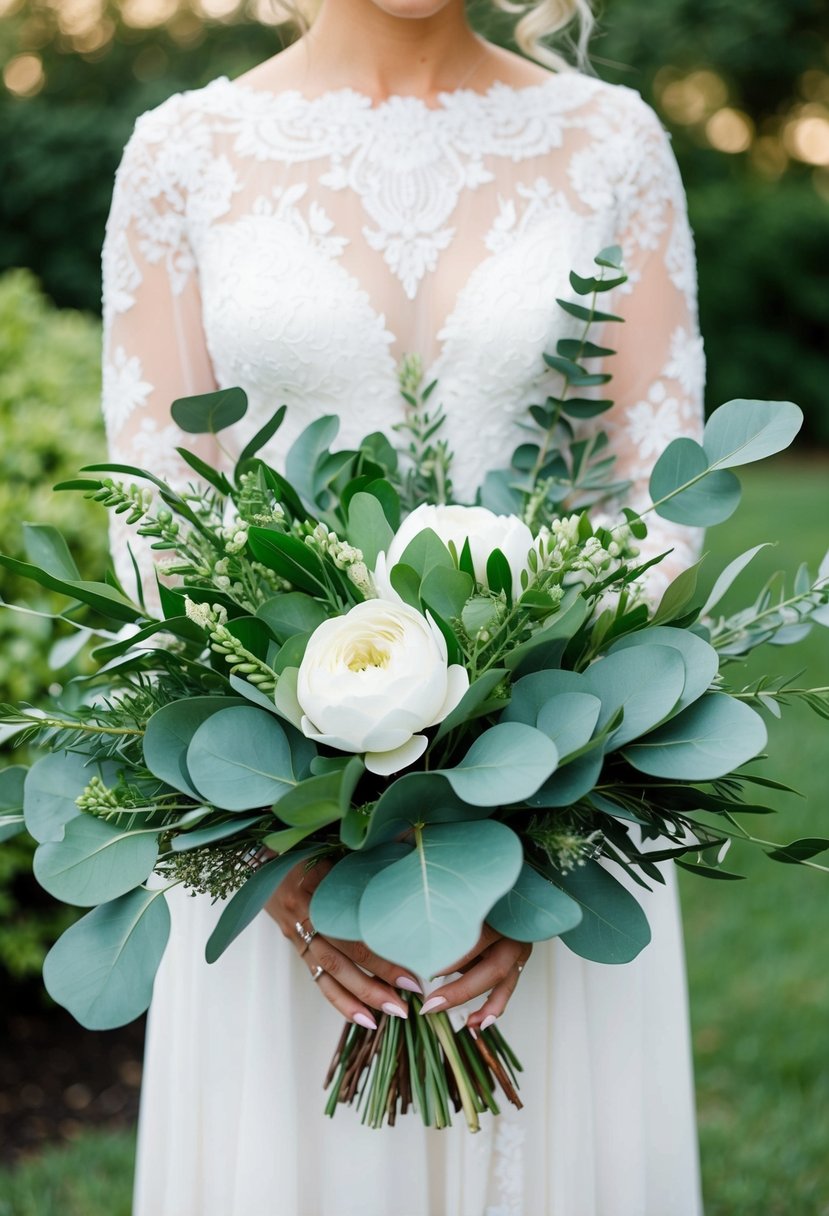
{"points": [[373, 678], [484, 529]]}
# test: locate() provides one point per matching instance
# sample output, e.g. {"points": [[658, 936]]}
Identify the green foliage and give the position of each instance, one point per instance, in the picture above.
{"points": [[427, 907], [50, 425], [102, 968]]}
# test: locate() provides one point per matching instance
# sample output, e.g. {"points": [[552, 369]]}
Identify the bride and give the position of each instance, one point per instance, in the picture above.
{"points": [[390, 184]]}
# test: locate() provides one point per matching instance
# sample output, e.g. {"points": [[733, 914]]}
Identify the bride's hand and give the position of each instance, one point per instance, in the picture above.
{"points": [[343, 980], [493, 965]]}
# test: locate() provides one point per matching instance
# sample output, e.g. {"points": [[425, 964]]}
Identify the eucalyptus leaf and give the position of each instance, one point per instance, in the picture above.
{"points": [[571, 782], [49, 791], [427, 909], [335, 904], [710, 739], [103, 967], [534, 910], [702, 662], [533, 691], [94, 862], [168, 733], [693, 493], [368, 529], [741, 432], [240, 758], [613, 928], [646, 683], [208, 413], [569, 719], [446, 591], [411, 799], [504, 765], [12, 784]]}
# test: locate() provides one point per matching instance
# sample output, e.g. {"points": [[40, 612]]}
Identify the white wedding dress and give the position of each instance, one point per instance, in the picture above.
{"points": [[298, 247]]}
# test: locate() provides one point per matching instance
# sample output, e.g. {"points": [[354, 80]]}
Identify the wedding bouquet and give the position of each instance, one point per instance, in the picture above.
{"points": [[471, 713]]}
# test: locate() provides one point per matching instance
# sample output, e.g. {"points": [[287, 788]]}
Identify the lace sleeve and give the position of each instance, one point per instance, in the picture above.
{"points": [[659, 368], [153, 345]]}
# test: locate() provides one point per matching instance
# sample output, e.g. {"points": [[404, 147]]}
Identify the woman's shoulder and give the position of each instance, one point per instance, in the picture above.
{"points": [[180, 114]]}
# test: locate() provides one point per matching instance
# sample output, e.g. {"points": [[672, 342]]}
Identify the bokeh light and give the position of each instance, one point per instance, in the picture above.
{"points": [[806, 135], [23, 75], [689, 99], [729, 130], [146, 14]]}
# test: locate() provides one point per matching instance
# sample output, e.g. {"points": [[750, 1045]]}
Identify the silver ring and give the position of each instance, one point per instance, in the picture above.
{"points": [[317, 972], [307, 935], [520, 968]]}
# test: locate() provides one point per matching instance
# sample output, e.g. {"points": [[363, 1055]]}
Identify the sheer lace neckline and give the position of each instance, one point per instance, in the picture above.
{"points": [[497, 93]]}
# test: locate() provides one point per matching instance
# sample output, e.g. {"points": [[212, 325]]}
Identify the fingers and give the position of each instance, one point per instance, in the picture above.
{"points": [[360, 954], [363, 989], [496, 972]]}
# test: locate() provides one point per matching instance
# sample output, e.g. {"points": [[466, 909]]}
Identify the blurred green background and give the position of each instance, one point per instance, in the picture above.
{"points": [[744, 90]]}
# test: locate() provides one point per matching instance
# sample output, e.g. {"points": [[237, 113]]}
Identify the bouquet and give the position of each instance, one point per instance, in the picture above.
{"points": [[471, 713]]}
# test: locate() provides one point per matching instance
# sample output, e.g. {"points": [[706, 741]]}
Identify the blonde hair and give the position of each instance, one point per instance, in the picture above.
{"points": [[542, 22]]}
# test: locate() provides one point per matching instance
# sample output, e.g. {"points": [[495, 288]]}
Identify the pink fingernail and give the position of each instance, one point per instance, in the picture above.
{"points": [[434, 1002], [472, 1031], [487, 1022], [363, 1019], [404, 982], [395, 1011]]}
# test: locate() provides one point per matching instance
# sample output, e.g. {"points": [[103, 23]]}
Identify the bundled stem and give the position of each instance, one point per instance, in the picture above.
{"points": [[422, 1062]]}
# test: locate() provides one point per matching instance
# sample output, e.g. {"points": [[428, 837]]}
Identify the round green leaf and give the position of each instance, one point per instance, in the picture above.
{"points": [[207, 413], [426, 910], [49, 791], [335, 905], [646, 684], [571, 782], [534, 910], [708, 740], [504, 765], [740, 432], [94, 862], [293, 612], [613, 928], [103, 967], [168, 736], [240, 759], [569, 720], [413, 798], [532, 692], [701, 660], [708, 497]]}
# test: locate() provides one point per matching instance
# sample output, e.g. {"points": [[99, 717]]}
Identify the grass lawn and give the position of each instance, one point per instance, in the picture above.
{"points": [[757, 951], [92, 1176], [757, 955]]}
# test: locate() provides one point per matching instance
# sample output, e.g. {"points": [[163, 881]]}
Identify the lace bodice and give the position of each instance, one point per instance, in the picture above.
{"points": [[299, 247]]}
